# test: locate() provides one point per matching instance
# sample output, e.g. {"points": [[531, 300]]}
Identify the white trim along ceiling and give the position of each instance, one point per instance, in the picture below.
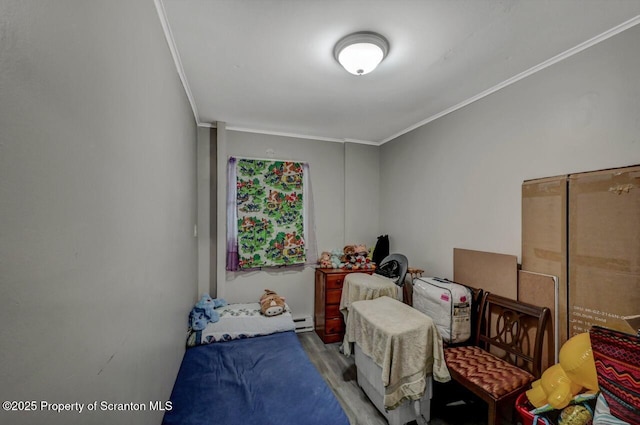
{"points": [[239, 126]]}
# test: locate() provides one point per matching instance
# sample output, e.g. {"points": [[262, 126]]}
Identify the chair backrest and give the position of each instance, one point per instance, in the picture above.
{"points": [[403, 264], [513, 331], [477, 300]]}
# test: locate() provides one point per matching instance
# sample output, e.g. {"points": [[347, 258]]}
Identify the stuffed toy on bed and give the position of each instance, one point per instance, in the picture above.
{"points": [[197, 319], [271, 304], [204, 312]]}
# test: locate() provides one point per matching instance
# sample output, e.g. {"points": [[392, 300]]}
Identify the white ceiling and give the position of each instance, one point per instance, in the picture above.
{"points": [[267, 66]]}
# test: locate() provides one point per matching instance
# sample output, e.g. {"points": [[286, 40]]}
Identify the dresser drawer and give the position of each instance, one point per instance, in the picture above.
{"points": [[333, 296], [329, 324], [334, 326], [335, 282], [333, 311]]}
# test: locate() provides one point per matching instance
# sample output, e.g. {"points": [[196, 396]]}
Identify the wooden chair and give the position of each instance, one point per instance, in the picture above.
{"points": [[508, 354], [477, 302], [407, 290]]}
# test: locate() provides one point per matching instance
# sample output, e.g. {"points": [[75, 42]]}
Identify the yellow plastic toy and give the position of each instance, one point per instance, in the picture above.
{"points": [[576, 358], [554, 387], [560, 383]]}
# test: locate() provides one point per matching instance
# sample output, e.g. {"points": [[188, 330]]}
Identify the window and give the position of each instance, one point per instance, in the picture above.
{"points": [[268, 214]]}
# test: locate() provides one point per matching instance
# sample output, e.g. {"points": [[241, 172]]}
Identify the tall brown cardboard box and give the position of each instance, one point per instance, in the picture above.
{"points": [[604, 249], [544, 237]]}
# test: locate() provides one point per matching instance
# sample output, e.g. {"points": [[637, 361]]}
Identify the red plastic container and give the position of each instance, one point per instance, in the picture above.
{"points": [[523, 406]]}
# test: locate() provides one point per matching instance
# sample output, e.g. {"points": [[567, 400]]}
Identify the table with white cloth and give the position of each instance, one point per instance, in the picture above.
{"points": [[402, 341], [363, 286]]}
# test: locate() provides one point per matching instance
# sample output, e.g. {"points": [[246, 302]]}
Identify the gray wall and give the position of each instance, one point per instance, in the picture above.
{"points": [[456, 182], [362, 185], [204, 210], [98, 263], [331, 165]]}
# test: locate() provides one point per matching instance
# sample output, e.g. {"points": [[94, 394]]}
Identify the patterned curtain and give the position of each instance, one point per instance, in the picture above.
{"points": [[266, 227]]}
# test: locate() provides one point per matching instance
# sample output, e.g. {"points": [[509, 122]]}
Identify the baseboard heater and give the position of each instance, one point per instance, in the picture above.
{"points": [[303, 324]]}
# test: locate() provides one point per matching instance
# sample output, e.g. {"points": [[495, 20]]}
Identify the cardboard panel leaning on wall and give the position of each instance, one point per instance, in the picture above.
{"points": [[496, 273], [544, 236], [604, 249], [542, 290]]}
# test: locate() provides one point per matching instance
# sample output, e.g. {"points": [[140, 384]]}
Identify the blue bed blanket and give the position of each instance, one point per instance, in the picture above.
{"points": [[263, 380]]}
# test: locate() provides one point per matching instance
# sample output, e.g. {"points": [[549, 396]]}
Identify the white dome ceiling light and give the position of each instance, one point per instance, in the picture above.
{"points": [[361, 52]]}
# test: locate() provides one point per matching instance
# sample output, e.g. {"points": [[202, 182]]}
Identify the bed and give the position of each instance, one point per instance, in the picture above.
{"points": [[251, 372], [240, 321]]}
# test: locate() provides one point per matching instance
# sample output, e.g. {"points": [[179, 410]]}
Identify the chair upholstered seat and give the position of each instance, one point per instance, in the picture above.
{"points": [[509, 326], [494, 375]]}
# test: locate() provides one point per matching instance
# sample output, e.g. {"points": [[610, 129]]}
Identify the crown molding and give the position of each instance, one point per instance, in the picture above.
{"points": [[555, 59], [286, 134], [283, 134], [176, 59]]}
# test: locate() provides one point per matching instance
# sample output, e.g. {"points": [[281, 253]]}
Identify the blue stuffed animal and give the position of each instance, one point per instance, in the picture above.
{"points": [[209, 305], [336, 261], [197, 319], [204, 312]]}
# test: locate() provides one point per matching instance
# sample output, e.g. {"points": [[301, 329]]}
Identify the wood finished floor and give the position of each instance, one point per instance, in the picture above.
{"points": [[339, 372]]}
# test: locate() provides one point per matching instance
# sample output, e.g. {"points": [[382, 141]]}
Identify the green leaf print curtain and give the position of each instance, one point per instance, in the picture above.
{"points": [[270, 213]]}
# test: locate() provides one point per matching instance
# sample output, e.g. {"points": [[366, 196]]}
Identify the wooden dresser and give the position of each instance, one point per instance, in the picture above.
{"points": [[329, 323]]}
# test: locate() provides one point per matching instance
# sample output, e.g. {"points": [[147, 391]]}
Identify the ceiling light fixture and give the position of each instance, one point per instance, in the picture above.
{"points": [[361, 52]]}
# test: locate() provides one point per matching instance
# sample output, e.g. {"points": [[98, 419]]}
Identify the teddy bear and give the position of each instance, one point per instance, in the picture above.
{"points": [[325, 260], [361, 250], [336, 262], [349, 250], [363, 262], [272, 304], [359, 259], [204, 312], [575, 371], [348, 255], [355, 257]]}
